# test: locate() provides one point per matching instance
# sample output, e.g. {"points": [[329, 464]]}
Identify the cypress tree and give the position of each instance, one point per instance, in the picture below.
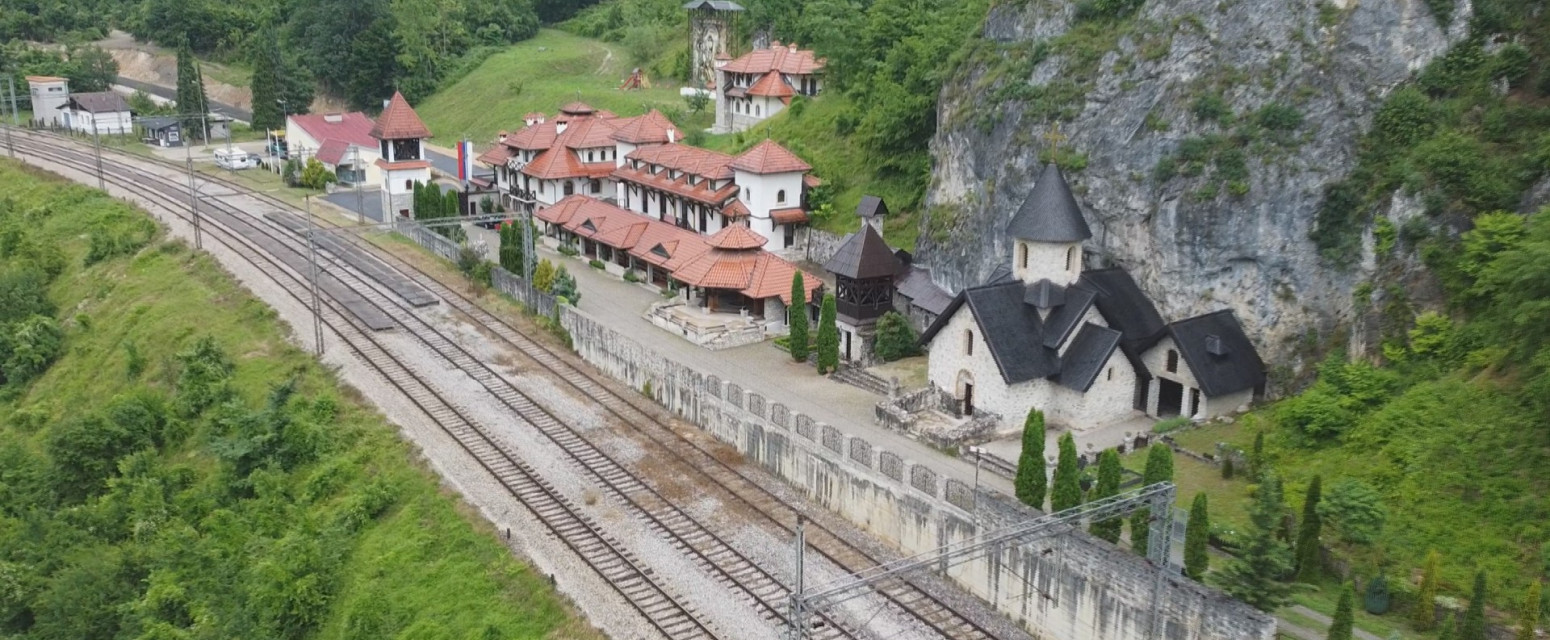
{"points": [[1340, 627], [1196, 557], [828, 337], [1449, 629], [1472, 627], [796, 317], [1253, 576], [191, 93], [1425, 612], [1528, 619], [1159, 468], [1308, 535], [1257, 458], [1067, 491], [1108, 486], [1227, 470], [265, 86], [1032, 482]]}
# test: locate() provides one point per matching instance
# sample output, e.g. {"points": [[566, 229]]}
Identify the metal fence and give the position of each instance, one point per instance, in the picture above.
{"points": [[508, 283]]}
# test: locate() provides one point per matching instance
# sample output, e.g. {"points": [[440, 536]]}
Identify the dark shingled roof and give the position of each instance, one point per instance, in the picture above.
{"points": [[916, 285], [1011, 329], [1061, 321], [1050, 214], [159, 122], [1045, 294], [1089, 351], [1125, 307], [98, 102], [719, 5], [864, 255], [1234, 367], [1000, 274], [872, 206]]}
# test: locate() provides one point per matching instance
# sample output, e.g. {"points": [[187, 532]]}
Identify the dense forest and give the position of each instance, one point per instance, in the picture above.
{"points": [[172, 468]]}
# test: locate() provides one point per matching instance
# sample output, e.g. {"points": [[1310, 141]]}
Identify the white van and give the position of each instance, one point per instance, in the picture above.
{"points": [[235, 159]]}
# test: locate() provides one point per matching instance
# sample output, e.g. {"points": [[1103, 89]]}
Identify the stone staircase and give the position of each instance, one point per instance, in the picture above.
{"points": [[862, 379]]}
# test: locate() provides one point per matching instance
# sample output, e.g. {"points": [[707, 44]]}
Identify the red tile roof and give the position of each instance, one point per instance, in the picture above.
{"points": [[45, 79], [737, 237], [647, 129], [399, 121], [735, 210], [769, 157], [686, 255], [332, 151], [794, 215], [403, 164], [772, 85], [701, 162], [496, 155], [680, 187], [353, 127], [782, 58]]}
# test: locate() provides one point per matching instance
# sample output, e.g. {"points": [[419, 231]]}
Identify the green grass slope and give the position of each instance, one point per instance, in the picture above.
{"points": [[540, 74], [127, 512]]}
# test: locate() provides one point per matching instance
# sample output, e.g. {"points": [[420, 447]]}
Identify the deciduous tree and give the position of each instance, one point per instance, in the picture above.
{"points": [[1067, 491], [1197, 534], [1032, 480]]}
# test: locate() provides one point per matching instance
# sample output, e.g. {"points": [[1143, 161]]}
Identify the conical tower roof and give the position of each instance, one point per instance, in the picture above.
{"points": [[399, 121], [736, 237], [1050, 214]]}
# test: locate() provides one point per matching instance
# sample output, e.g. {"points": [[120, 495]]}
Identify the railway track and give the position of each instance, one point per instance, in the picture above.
{"points": [[617, 566], [908, 596]]}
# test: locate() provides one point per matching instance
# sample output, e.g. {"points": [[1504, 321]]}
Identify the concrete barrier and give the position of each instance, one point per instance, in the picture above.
{"points": [[1068, 585]]}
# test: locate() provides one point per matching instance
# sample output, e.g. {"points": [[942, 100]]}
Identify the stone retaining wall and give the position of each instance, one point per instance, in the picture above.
{"points": [[1068, 586]]}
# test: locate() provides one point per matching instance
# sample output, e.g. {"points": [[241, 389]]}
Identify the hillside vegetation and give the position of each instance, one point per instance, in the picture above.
{"points": [[541, 74], [171, 467]]}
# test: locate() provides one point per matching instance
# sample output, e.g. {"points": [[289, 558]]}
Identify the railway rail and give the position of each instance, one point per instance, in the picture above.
{"points": [[909, 596]]}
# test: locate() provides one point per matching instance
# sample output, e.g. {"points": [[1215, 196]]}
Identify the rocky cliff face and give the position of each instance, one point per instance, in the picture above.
{"points": [[1209, 129]]}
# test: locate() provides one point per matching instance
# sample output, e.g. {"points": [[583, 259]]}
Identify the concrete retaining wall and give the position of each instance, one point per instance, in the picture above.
{"points": [[1070, 586]]}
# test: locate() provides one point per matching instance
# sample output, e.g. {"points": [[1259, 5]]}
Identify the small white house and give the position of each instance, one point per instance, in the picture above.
{"points": [[341, 141], [1086, 347], [102, 113], [762, 83], [49, 93]]}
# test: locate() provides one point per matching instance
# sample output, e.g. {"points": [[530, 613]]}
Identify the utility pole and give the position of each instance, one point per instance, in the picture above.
{"points": [[193, 196], [10, 145], [798, 617], [312, 256], [360, 176], [97, 142]]}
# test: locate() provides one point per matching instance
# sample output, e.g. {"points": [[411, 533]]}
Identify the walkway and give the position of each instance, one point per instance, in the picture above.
{"points": [[621, 306]]}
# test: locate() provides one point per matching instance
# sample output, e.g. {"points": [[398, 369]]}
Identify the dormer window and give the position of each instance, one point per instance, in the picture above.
{"points": [[590, 157]]}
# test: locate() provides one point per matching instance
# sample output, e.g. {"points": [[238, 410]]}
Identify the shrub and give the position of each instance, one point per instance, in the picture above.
{"points": [[596, 264], [1210, 107], [1171, 424], [895, 338], [1278, 117], [1377, 600], [564, 287], [316, 176], [34, 344], [1405, 118], [543, 276], [1356, 510]]}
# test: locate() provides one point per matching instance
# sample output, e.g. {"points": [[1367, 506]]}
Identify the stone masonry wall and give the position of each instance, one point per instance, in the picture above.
{"points": [[1085, 588]]}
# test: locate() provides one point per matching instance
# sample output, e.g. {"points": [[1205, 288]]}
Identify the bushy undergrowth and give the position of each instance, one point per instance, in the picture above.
{"points": [[180, 471]]}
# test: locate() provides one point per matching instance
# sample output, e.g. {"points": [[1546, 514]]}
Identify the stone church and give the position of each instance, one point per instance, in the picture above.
{"points": [[1085, 346]]}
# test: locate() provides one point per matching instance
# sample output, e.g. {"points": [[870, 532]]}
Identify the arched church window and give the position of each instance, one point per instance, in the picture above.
{"points": [[1022, 256], [968, 342], [780, 197], [1173, 361]]}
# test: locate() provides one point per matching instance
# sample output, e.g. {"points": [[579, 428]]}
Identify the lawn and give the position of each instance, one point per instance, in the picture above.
{"points": [[425, 566], [541, 74]]}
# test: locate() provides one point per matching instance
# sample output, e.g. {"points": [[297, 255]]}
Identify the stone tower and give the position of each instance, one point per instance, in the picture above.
{"points": [[712, 24]]}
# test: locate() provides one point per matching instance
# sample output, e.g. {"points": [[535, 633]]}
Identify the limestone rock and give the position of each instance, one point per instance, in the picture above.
{"points": [[1191, 250]]}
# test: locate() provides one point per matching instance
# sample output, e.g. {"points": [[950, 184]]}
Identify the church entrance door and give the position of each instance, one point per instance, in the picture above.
{"points": [[968, 399], [1170, 398]]}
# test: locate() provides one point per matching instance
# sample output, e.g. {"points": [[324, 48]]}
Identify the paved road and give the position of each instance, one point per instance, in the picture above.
{"points": [[371, 198], [240, 115]]}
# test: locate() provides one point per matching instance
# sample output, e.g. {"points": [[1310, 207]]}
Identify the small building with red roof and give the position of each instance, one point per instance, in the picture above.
{"points": [[762, 82], [341, 141]]}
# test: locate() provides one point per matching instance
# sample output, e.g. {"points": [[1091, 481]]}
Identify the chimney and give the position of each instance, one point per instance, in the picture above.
{"points": [[501, 137], [385, 104], [774, 44], [670, 135], [333, 117], [559, 127], [793, 47]]}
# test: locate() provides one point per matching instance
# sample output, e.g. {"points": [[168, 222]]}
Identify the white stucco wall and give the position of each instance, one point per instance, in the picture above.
{"points": [[1109, 399], [1047, 260], [47, 98], [105, 123], [759, 195]]}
